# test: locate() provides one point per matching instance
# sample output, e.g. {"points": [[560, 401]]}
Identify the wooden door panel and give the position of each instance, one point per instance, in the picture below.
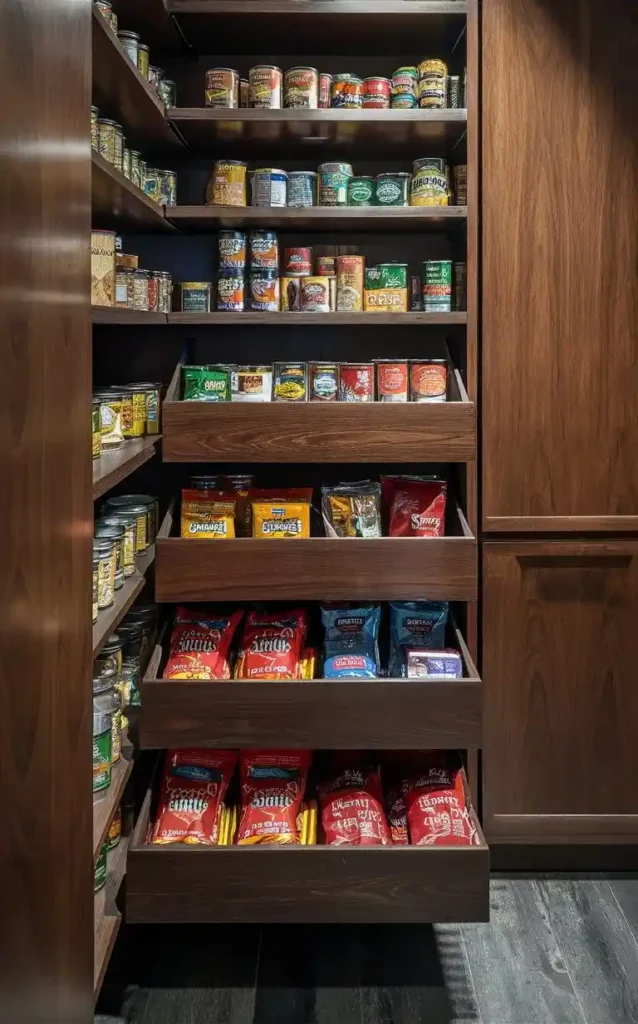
{"points": [[561, 689], [560, 251]]}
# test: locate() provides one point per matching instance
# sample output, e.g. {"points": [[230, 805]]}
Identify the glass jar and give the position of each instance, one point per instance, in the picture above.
{"points": [[126, 162], [123, 287], [140, 289], [135, 166], [116, 535], [111, 436], [130, 43], [138, 400], [119, 147], [165, 291], [153, 292], [106, 138], [94, 129], [104, 551], [155, 76], [167, 90]]}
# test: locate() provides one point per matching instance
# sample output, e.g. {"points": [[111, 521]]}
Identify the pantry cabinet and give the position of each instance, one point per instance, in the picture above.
{"points": [[561, 691]]}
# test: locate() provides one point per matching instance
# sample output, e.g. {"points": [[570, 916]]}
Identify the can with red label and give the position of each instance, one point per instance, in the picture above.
{"points": [[265, 87], [392, 380], [327, 266], [315, 295], [298, 261], [428, 380], [301, 88], [222, 88], [356, 382], [325, 82], [377, 92]]}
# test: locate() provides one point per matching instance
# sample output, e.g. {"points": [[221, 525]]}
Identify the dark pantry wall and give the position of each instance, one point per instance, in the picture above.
{"points": [[560, 420], [46, 906]]}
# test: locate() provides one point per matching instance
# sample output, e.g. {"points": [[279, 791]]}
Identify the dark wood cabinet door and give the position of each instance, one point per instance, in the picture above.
{"points": [[560, 676], [560, 251]]}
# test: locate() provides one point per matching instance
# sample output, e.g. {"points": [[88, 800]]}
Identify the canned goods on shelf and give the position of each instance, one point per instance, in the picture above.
{"points": [[404, 87], [290, 382], [323, 381], [230, 290], [392, 380], [350, 270], [244, 92], [428, 380], [297, 261], [376, 93], [143, 54], [302, 188], [264, 291], [106, 134], [227, 186], [152, 185], [269, 187], [130, 43], [222, 88], [232, 250], [263, 250], [327, 266], [430, 183], [265, 87], [301, 88], [392, 189], [460, 286], [290, 294], [356, 382], [361, 191], [436, 281], [315, 295], [167, 90], [325, 88], [333, 183], [194, 296], [168, 187], [251, 383], [346, 92]]}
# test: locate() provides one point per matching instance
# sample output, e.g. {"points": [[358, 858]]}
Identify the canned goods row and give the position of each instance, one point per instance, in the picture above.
{"points": [[127, 528], [107, 139], [139, 53], [122, 413], [381, 380], [118, 281], [267, 87], [334, 184], [441, 288]]}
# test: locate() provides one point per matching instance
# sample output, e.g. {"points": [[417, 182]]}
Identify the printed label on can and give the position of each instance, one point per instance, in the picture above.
{"points": [[232, 250], [269, 187], [323, 382], [392, 382], [356, 382], [230, 292]]}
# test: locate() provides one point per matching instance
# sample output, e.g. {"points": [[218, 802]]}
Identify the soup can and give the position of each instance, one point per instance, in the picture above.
{"points": [[432, 88], [346, 92], [392, 380], [323, 382], [231, 247], [290, 294], [325, 87], [251, 383], [290, 382], [302, 188], [327, 266], [361, 191], [315, 295], [350, 284], [301, 88], [429, 185], [428, 380], [265, 87], [436, 282], [405, 82], [376, 93], [222, 88], [269, 187], [264, 291], [230, 290], [392, 189], [356, 382], [333, 184], [227, 186], [264, 250], [404, 101], [298, 261], [194, 296]]}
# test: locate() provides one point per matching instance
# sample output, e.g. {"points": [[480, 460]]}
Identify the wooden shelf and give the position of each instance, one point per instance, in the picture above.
{"points": [[105, 936], [318, 319], [118, 204], [210, 130], [109, 315], [105, 804], [311, 26], [108, 620], [113, 467], [121, 93], [320, 218], [151, 20]]}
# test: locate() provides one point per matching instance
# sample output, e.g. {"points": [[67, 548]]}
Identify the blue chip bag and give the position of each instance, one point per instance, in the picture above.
{"points": [[415, 624], [351, 642]]}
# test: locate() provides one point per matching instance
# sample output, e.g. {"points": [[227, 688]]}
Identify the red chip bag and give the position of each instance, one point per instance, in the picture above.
{"points": [[273, 783], [200, 645], [437, 810], [416, 508], [351, 804], [272, 645], [193, 787]]}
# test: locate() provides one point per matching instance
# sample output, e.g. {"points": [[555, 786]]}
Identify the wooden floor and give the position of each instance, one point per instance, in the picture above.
{"points": [[558, 949]]}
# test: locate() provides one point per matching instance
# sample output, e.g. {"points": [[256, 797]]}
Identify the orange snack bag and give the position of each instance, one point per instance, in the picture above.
{"points": [[273, 784], [193, 788]]}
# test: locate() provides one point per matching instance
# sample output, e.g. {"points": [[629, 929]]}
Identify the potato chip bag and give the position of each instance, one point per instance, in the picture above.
{"points": [[415, 506], [194, 784], [281, 514], [352, 510], [436, 805], [351, 804], [351, 641], [273, 784], [200, 644], [208, 514], [272, 644]]}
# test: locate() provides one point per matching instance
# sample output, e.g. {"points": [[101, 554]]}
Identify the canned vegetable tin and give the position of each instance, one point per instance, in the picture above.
{"points": [[436, 280], [432, 88], [356, 382], [429, 186], [302, 188], [265, 87], [392, 380], [194, 296], [264, 250], [324, 382], [333, 184], [231, 246], [350, 271], [251, 384], [269, 186], [392, 189], [227, 186], [327, 266], [404, 88], [301, 88], [264, 291], [346, 92], [230, 290], [290, 382], [222, 88], [428, 380], [360, 191], [314, 295], [298, 261], [376, 93]]}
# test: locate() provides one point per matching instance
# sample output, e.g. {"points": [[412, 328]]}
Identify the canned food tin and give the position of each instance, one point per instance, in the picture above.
{"points": [[244, 92], [314, 295], [115, 830], [232, 250], [429, 185], [106, 138], [227, 186], [222, 88], [152, 185], [143, 53], [346, 92], [404, 83], [327, 266], [301, 88], [460, 286], [360, 191], [454, 92], [94, 129], [104, 553], [264, 250], [127, 524], [325, 86], [432, 90], [290, 294], [264, 291], [302, 188], [436, 280], [102, 754], [428, 380], [350, 284], [433, 67], [298, 261], [392, 380], [392, 189], [251, 384], [404, 101], [376, 93], [230, 290], [168, 188], [323, 382], [167, 90], [102, 268], [459, 174], [265, 87], [290, 382], [194, 296], [130, 42], [386, 288], [269, 187], [356, 382], [116, 535], [333, 184], [416, 300]]}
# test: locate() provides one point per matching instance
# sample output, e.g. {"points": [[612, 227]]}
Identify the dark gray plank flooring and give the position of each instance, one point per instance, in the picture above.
{"points": [[558, 950]]}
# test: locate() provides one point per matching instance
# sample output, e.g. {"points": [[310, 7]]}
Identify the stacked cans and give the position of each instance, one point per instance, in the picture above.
{"points": [[248, 271]]}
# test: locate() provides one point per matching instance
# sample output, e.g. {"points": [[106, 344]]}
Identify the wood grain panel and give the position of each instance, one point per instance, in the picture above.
{"points": [[46, 862], [561, 702], [560, 251]]}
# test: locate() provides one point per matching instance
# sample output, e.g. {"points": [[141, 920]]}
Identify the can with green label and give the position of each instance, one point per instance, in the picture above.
{"points": [[207, 383], [361, 191], [102, 748], [436, 281], [392, 189]]}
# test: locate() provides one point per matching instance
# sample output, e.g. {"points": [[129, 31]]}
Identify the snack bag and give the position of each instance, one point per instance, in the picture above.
{"points": [[436, 805], [351, 805], [351, 642], [433, 664], [281, 514], [193, 788], [352, 510], [200, 645], [272, 645], [273, 784], [208, 514], [415, 625], [415, 507]]}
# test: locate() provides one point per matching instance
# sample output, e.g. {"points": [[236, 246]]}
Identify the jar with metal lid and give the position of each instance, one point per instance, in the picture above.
{"points": [[135, 167], [107, 700], [104, 550], [165, 291], [102, 747], [138, 401], [115, 534], [126, 162], [140, 289], [96, 563], [131, 678], [154, 292], [112, 437], [155, 76], [127, 524], [96, 429], [167, 90], [123, 286], [106, 138], [105, 7], [119, 147], [152, 391], [141, 520], [143, 54], [94, 129], [152, 505], [130, 43], [110, 657]]}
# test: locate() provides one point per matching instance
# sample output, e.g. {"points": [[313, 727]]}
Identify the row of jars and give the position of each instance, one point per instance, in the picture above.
{"points": [[140, 54], [148, 291], [126, 529], [121, 413], [107, 139]]}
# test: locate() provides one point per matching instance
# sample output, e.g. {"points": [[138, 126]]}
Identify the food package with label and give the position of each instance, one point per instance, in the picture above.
{"points": [[208, 514], [281, 514], [415, 625], [352, 510], [351, 641]]}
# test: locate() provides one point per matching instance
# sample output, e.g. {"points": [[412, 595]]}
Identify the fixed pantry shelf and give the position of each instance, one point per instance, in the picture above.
{"points": [[111, 315], [320, 218], [322, 714], [104, 941], [118, 204], [106, 803], [311, 26], [113, 467], [122, 93], [109, 619], [205, 129], [317, 319]]}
